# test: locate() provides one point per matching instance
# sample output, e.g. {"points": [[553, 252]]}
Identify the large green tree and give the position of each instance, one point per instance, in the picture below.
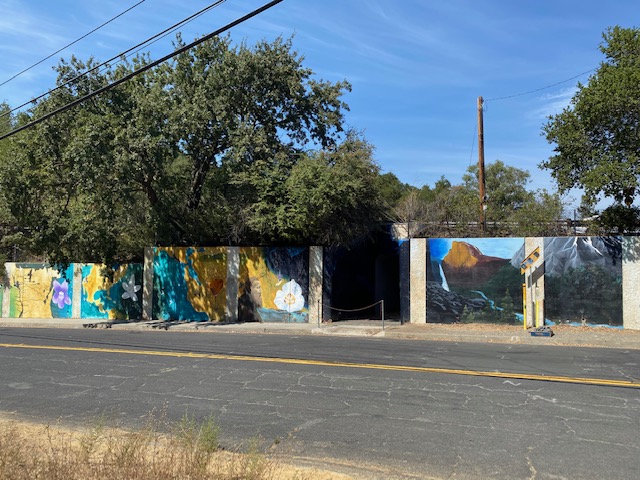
{"points": [[597, 137], [215, 147]]}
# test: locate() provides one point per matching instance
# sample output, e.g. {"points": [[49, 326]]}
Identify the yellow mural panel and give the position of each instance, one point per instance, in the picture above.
{"points": [[96, 282], [264, 283], [33, 287]]}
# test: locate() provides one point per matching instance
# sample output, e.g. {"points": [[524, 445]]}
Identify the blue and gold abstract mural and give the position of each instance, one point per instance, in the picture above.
{"points": [[474, 280], [115, 297], [189, 283]]}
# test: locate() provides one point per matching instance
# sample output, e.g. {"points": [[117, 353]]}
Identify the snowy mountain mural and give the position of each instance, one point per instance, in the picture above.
{"points": [[583, 280]]}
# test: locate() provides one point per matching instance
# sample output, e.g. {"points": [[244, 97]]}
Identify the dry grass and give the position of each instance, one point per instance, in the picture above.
{"points": [[191, 451]]}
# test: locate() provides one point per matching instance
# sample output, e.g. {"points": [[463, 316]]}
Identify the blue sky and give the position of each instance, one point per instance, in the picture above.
{"points": [[416, 66]]}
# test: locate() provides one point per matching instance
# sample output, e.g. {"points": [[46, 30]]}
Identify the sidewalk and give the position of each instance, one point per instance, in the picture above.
{"points": [[478, 333]]}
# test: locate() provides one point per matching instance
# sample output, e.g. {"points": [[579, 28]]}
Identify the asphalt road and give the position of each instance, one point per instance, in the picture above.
{"points": [[366, 411]]}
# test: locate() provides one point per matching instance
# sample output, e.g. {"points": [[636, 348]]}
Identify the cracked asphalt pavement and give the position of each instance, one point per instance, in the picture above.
{"points": [[372, 423]]}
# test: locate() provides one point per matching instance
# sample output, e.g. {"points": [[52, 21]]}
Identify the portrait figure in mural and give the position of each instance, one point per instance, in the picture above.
{"points": [[250, 300]]}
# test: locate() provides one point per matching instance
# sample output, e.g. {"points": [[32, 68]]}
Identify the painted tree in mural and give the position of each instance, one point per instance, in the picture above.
{"points": [[597, 146], [213, 148]]}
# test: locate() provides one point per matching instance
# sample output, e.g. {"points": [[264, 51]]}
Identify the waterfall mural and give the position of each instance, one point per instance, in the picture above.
{"points": [[119, 297], [189, 283], [474, 280], [583, 280], [39, 291], [274, 284]]}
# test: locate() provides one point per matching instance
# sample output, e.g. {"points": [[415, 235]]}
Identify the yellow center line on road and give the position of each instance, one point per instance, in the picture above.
{"points": [[328, 363]]}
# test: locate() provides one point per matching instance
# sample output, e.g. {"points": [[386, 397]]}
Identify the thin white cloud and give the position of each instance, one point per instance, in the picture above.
{"points": [[554, 103]]}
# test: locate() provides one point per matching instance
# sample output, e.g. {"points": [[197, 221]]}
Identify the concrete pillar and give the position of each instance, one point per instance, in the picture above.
{"points": [[147, 284], [534, 281], [418, 280], [630, 283], [76, 301], [400, 234], [6, 296], [233, 278], [405, 284], [316, 269]]}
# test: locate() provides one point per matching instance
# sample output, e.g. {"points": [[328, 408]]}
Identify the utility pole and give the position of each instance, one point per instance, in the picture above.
{"points": [[481, 182]]}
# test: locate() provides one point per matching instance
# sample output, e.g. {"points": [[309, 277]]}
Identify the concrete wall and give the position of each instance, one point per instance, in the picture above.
{"points": [[631, 282], [265, 284], [571, 281], [79, 291]]}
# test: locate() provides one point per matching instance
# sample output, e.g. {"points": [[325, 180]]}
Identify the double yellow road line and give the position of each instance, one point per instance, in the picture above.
{"points": [[326, 363]]}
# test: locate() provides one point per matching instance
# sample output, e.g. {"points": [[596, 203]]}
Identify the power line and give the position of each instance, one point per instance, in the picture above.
{"points": [[473, 144], [540, 89], [123, 55], [143, 69], [72, 43]]}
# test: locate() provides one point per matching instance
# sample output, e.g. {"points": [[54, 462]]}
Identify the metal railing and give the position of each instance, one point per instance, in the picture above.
{"points": [[321, 307]]}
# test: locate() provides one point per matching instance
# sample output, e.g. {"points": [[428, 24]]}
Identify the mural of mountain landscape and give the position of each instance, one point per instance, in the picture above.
{"points": [[583, 280], [474, 280]]}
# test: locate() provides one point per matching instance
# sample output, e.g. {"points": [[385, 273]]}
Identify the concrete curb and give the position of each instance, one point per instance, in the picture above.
{"points": [[598, 338]]}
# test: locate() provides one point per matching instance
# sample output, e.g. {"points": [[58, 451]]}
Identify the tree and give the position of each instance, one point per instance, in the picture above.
{"points": [[392, 191], [597, 137], [505, 187], [331, 197], [511, 207], [6, 124], [224, 145]]}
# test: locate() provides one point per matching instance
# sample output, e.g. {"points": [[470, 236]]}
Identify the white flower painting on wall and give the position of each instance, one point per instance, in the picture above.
{"points": [[290, 298]]}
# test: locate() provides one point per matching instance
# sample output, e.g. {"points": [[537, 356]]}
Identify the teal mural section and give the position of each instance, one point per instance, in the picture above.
{"points": [[189, 283], [114, 294], [474, 280]]}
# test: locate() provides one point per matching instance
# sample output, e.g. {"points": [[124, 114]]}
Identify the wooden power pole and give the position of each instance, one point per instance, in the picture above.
{"points": [[481, 181]]}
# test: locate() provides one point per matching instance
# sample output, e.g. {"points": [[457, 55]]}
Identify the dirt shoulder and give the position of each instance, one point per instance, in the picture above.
{"points": [[64, 452]]}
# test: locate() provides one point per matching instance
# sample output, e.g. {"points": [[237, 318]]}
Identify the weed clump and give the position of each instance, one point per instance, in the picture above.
{"points": [[191, 451]]}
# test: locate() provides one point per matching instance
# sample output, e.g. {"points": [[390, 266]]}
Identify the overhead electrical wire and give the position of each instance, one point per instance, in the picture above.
{"points": [[72, 43], [539, 89], [122, 55], [142, 69]]}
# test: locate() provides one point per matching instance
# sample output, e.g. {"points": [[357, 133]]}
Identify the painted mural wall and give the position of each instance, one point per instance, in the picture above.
{"points": [[39, 291], [478, 280], [119, 297], [583, 280], [189, 283], [474, 280], [273, 284]]}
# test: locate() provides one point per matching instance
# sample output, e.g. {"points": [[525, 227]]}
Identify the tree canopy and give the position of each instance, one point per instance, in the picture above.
{"points": [[597, 137], [227, 144], [512, 209]]}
